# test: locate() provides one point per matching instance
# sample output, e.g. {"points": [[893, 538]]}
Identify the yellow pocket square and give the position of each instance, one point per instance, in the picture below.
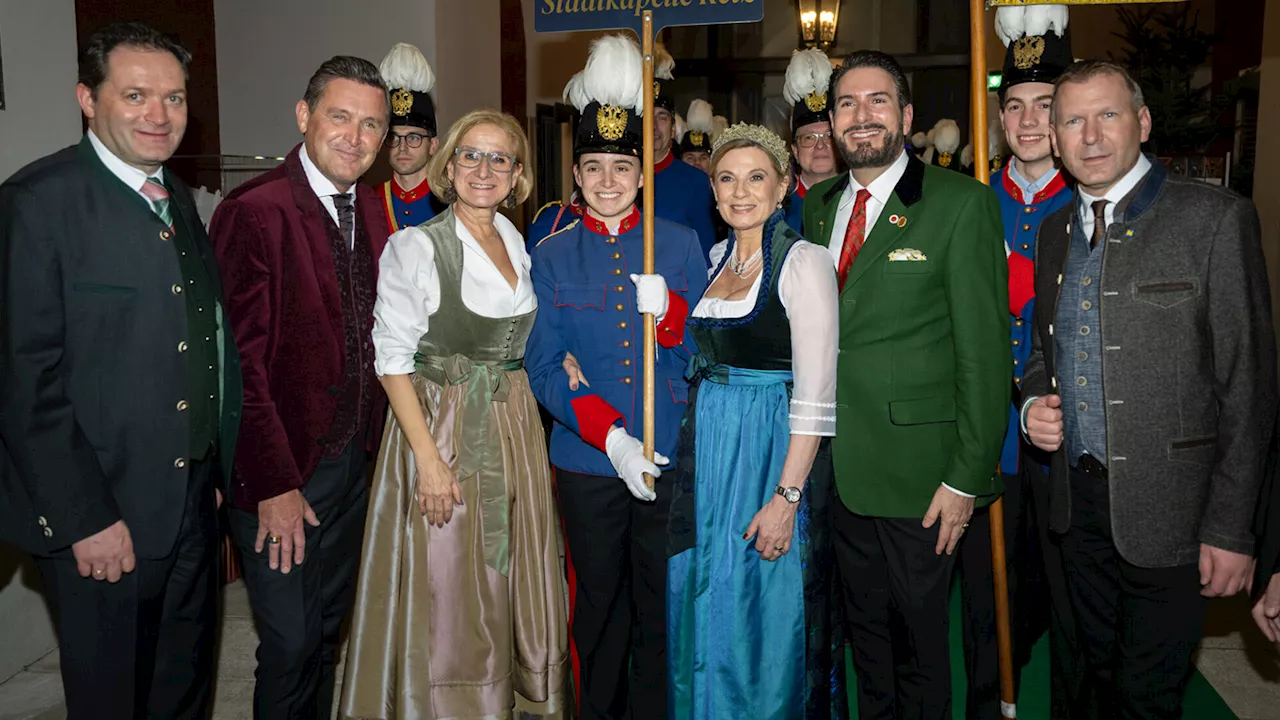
{"points": [[907, 255]]}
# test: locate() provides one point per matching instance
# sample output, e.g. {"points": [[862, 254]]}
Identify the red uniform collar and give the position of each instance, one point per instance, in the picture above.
{"points": [[801, 188], [1056, 185], [664, 163], [423, 190], [632, 220]]}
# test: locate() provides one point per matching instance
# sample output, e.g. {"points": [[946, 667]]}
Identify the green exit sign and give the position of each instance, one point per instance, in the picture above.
{"points": [[993, 80]]}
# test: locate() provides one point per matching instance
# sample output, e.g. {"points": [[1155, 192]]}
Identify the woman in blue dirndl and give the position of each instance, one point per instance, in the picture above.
{"points": [[753, 623]]}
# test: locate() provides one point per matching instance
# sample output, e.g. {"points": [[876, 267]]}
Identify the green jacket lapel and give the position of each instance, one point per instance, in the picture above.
{"points": [[907, 192], [824, 219]]}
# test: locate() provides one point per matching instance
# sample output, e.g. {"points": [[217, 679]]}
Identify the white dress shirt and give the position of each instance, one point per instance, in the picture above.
{"points": [[409, 289], [881, 190], [1113, 196], [325, 190], [128, 174], [807, 282]]}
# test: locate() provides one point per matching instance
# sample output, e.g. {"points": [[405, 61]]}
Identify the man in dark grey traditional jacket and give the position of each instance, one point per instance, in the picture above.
{"points": [[1152, 382]]}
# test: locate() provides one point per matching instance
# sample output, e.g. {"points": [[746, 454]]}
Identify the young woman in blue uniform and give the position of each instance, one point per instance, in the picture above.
{"points": [[412, 140], [1030, 187], [615, 526]]}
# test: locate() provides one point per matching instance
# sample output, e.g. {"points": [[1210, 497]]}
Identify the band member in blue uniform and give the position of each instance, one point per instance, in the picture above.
{"points": [[615, 526], [681, 192], [812, 147], [412, 139], [1030, 187], [694, 142]]}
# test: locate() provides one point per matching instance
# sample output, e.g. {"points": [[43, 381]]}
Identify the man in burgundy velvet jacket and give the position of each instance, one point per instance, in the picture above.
{"points": [[299, 249]]}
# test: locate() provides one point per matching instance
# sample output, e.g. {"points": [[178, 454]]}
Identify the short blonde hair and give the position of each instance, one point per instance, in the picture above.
{"points": [[437, 170]]}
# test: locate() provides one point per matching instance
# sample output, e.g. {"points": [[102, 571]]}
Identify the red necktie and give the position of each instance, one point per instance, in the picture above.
{"points": [[854, 236]]}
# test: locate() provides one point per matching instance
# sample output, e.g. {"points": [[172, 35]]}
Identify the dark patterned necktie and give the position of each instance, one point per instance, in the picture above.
{"points": [[1099, 223], [346, 217]]}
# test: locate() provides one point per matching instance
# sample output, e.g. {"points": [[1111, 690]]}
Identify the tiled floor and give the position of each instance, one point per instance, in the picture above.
{"points": [[1234, 657]]}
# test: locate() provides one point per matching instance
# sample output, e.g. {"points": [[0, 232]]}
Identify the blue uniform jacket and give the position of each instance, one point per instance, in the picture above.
{"points": [[586, 306], [408, 208], [1022, 217], [682, 194]]}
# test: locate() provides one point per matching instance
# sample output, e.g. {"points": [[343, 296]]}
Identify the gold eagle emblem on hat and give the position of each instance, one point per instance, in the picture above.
{"points": [[401, 102], [657, 89], [696, 137], [944, 159], [816, 101], [611, 121], [1027, 52]]}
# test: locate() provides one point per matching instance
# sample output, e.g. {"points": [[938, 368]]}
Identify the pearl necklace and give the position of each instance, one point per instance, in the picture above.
{"points": [[742, 268]]}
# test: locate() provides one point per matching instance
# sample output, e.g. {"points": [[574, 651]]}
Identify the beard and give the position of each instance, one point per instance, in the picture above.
{"points": [[864, 154]]}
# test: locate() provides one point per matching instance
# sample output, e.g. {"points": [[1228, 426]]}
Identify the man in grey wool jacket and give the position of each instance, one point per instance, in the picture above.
{"points": [[1152, 385]]}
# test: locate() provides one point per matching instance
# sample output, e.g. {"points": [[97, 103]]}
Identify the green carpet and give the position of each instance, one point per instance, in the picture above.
{"points": [[1202, 702]]}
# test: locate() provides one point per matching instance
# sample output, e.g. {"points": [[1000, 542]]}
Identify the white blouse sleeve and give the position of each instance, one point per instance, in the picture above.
{"points": [[715, 256], [808, 285], [408, 294]]}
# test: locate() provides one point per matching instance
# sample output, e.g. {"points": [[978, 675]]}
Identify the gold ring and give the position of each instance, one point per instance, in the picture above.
{"points": [[99, 572], [274, 539]]}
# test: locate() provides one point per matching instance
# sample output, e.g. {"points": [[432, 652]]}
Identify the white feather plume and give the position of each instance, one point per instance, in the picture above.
{"points": [[1041, 19], [406, 67], [663, 63], [966, 155], [719, 124], [681, 128], [808, 72], [700, 116], [946, 136], [1010, 23], [613, 75], [995, 138], [919, 140]]}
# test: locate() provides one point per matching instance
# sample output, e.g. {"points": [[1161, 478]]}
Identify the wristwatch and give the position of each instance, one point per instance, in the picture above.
{"points": [[791, 494]]}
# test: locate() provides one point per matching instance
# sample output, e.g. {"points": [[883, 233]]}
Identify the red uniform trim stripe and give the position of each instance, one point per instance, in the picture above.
{"points": [[595, 418]]}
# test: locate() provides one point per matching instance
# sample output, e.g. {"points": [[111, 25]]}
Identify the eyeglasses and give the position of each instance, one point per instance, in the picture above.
{"points": [[471, 158], [808, 140], [413, 140]]}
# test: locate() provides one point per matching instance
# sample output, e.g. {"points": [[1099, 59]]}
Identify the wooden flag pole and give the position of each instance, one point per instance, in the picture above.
{"points": [[982, 170], [650, 334]]}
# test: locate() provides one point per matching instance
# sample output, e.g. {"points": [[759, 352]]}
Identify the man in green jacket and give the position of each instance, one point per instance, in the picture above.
{"points": [[924, 383]]}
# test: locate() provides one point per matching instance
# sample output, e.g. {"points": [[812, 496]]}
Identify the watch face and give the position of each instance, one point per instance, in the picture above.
{"points": [[791, 494]]}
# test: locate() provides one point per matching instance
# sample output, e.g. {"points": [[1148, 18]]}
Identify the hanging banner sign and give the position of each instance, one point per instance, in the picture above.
{"points": [[1015, 3], [573, 15]]}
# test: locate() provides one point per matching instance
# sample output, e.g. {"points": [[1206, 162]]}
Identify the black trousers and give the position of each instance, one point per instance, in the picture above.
{"points": [[299, 616], [1137, 626], [617, 553], [143, 647], [1028, 595], [896, 591]]}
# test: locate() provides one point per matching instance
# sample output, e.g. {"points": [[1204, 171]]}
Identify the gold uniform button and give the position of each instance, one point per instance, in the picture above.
{"points": [[620, 306], [1017, 381], [1016, 343], [182, 346], [617, 255], [1026, 227], [1015, 361], [626, 381], [626, 343], [180, 463], [1028, 210], [176, 289], [618, 288], [617, 271], [612, 241], [1026, 246], [627, 363], [182, 406], [623, 324], [1018, 322]]}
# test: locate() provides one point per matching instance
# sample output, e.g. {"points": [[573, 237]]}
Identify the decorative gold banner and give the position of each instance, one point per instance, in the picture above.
{"points": [[1008, 3]]}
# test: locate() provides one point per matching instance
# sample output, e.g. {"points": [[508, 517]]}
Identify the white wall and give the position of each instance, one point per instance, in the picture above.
{"points": [[38, 45], [268, 50]]}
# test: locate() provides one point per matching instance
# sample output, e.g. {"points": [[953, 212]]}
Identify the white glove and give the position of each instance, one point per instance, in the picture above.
{"points": [[627, 455], [651, 295]]}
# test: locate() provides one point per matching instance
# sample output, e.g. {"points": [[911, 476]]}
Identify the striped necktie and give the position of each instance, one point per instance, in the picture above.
{"points": [[159, 197]]}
